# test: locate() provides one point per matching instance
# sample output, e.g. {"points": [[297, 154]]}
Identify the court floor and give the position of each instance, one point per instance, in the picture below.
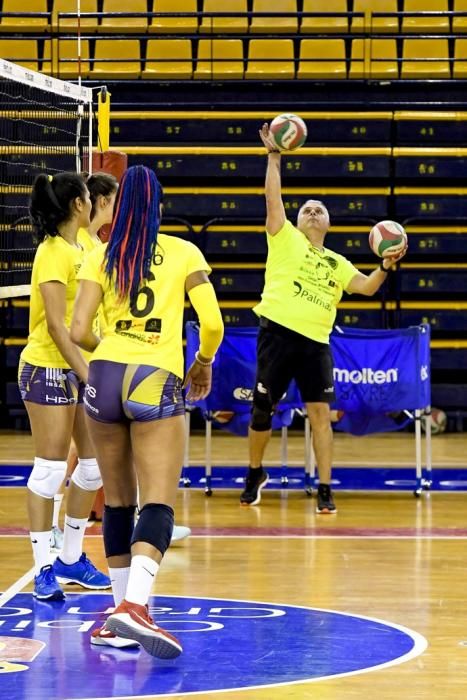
{"points": [[272, 602]]}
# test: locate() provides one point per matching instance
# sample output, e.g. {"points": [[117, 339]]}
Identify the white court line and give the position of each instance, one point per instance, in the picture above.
{"points": [[17, 586], [390, 536]]}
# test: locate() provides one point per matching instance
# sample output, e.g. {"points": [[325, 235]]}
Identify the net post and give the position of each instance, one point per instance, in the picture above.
{"points": [[103, 120]]}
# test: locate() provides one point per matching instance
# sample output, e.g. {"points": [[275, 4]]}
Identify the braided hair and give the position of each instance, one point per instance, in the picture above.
{"points": [[135, 226], [51, 202]]}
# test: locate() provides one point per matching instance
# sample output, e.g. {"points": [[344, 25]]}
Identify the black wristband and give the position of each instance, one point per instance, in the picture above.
{"points": [[381, 267]]}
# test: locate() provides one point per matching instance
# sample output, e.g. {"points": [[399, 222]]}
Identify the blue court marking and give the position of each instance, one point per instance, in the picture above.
{"points": [[344, 478], [228, 645]]}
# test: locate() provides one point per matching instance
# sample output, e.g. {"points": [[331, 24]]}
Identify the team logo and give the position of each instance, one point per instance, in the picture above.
{"points": [[295, 645]]}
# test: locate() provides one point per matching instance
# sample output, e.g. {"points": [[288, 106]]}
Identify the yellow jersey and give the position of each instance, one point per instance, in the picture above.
{"points": [[303, 284], [56, 260], [86, 241], [88, 244], [148, 332]]}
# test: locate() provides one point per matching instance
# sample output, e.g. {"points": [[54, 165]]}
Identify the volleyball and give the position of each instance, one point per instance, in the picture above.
{"points": [[387, 238], [289, 132], [437, 421]]}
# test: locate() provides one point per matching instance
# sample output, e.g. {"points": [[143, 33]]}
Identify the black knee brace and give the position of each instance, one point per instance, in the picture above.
{"points": [[261, 415], [155, 526], [117, 528]]}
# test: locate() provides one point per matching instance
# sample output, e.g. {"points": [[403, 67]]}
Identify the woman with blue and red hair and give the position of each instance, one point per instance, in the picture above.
{"points": [[133, 398]]}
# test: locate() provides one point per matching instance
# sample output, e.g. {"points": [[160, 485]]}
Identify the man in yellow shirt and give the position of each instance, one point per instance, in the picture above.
{"points": [[304, 282]]}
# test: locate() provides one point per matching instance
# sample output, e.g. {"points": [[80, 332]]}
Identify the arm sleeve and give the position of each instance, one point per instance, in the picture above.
{"points": [[211, 324]]}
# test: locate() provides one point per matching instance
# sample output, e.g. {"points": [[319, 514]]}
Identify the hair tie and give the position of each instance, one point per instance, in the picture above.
{"points": [[51, 177]]}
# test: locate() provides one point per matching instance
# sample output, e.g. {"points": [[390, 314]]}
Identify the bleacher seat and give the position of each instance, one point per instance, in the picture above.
{"points": [[276, 25], [436, 203], [233, 203], [60, 59], [116, 59], [180, 25], [374, 58], [460, 59], [415, 53], [270, 59], [382, 25], [433, 281], [444, 317], [224, 24], [459, 24], [322, 59], [424, 24], [24, 24], [168, 58], [123, 25], [69, 24], [324, 25], [21, 51], [219, 59]]}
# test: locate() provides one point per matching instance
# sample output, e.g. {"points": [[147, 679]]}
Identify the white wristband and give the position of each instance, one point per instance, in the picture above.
{"points": [[204, 364]]}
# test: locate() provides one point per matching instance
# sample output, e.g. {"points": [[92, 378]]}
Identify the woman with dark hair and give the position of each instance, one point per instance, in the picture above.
{"points": [[51, 377], [102, 189], [133, 397]]}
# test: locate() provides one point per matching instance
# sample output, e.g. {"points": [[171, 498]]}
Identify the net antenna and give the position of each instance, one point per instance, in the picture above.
{"points": [[41, 131]]}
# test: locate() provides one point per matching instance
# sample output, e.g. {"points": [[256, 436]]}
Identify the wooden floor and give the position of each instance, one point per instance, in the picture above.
{"points": [[384, 555]]}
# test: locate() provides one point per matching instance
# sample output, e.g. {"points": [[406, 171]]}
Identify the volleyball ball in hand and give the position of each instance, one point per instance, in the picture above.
{"points": [[288, 131], [387, 238]]}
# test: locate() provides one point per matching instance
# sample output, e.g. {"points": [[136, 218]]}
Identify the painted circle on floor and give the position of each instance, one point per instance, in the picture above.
{"points": [[228, 645]]}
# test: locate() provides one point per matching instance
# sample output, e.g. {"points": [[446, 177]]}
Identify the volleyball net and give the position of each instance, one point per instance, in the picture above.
{"points": [[45, 127]]}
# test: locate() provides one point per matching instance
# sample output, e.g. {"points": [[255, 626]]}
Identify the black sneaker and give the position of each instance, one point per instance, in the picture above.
{"points": [[325, 504], [254, 482]]}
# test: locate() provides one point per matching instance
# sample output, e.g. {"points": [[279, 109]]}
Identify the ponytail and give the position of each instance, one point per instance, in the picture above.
{"points": [[135, 226], [51, 200]]}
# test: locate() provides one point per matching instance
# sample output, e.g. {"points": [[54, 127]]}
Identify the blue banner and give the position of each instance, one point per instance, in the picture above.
{"points": [[379, 376]]}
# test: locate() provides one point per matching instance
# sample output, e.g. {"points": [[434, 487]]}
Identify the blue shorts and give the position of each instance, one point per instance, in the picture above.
{"points": [[117, 392], [49, 386]]}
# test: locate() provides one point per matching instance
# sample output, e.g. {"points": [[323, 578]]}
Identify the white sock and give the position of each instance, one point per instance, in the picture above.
{"points": [[143, 572], [119, 579], [40, 542], [58, 498], [73, 540]]}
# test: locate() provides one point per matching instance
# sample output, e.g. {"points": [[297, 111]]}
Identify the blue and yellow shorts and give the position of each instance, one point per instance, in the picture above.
{"points": [[50, 386], [117, 392]]}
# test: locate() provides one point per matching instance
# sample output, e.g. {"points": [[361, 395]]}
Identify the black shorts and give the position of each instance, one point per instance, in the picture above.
{"points": [[283, 355]]}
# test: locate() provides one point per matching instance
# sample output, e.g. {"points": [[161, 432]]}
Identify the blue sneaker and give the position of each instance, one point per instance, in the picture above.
{"points": [[46, 586], [82, 572]]}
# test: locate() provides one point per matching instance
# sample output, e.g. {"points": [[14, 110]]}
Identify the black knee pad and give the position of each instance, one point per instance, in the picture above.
{"points": [[261, 415], [155, 525], [117, 528]]}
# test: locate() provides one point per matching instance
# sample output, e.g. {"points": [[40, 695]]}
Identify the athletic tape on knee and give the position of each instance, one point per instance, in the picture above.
{"points": [[87, 475], [46, 476], [155, 525], [117, 528]]}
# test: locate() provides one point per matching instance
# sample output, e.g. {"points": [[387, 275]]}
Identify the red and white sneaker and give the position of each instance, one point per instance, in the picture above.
{"points": [[102, 637], [132, 621]]}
